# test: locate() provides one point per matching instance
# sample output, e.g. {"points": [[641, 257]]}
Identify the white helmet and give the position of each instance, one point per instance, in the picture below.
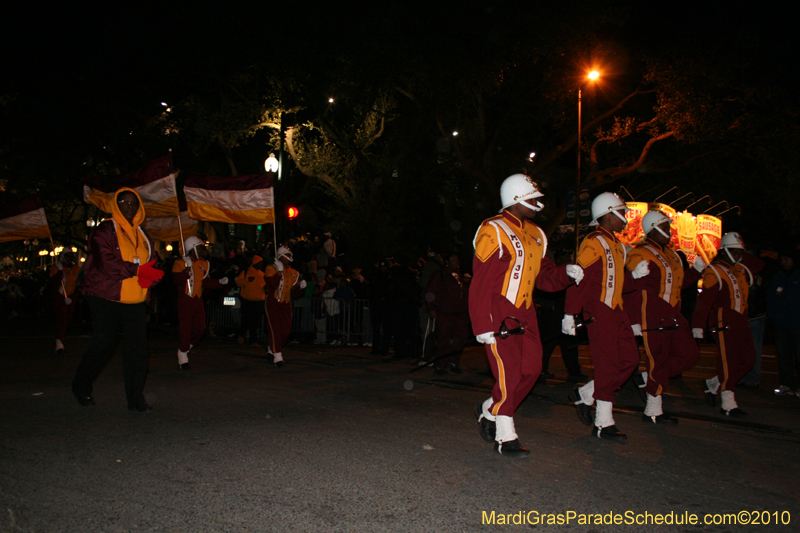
{"points": [[190, 243], [652, 220], [284, 252], [731, 240], [517, 189], [607, 202]]}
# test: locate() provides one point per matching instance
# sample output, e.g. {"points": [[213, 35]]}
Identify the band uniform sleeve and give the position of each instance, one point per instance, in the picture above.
{"points": [[552, 278], [179, 274], [706, 299]]}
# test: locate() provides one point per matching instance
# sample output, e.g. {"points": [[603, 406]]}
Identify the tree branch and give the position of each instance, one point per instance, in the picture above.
{"points": [[620, 171]]}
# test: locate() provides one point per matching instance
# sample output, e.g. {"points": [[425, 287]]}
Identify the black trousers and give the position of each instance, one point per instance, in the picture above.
{"points": [[252, 312], [108, 319]]}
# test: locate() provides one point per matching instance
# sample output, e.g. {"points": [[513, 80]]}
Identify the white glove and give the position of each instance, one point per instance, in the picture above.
{"points": [[568, 325], [575, 272], [697, 333], [59, 266], [637, 329], [486, 338], [303, 284], [641, 270], [224, 280], [67, 300], [278, 265], [699, 264], [188, 261]]}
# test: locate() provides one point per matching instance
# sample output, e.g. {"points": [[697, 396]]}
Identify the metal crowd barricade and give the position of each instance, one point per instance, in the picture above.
{"points": [[332, 321], [317, 320]]}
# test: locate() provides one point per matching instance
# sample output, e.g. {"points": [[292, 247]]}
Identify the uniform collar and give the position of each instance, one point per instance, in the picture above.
{"points": [[513, 219], [606, 232], [654, 244]]}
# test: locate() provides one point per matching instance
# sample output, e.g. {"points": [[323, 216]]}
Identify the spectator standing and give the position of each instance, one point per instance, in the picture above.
{"points": [[379, 289], [447, 302], [783, 306]]}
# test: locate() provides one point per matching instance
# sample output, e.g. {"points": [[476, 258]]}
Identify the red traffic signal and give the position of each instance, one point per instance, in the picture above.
{"points": [[292, 212]]}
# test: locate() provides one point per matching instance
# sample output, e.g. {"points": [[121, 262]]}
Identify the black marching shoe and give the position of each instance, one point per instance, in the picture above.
{"points": [[185, 366], [735, 412], [486, 427], [663, 418], [86, 401], [711, 398], [278, 364], [511, 448], [142, 407], [584, 411], [610, 433]]}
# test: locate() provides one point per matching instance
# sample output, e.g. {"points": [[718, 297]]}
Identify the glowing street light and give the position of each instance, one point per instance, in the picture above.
{"points": [[592, 76], [271, 163]]}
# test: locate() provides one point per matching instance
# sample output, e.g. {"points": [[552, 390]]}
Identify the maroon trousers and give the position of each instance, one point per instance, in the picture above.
{"points": [[667, 353], [736, 353], [191, 321], [614, 352], [63, 314], [516, 361], [279, 321]]}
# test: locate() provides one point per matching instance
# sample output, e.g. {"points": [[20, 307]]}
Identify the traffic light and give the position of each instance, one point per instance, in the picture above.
{"points": [[292, 212]]}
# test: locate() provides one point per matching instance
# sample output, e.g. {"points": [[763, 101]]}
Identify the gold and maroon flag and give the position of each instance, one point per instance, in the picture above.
{"points": [[234, 199], [168, 229], [23, 220], [155, 183]]}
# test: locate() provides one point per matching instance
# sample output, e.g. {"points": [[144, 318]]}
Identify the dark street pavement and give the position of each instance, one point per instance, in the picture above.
{"points": [[334, 442]]}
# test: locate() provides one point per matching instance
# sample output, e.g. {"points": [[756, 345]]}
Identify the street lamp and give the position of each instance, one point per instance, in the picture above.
{"points": [[271, 163], [592, 76]]}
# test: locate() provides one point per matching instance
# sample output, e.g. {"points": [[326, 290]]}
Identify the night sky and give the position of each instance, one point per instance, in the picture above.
{"points": [[76, 77]]}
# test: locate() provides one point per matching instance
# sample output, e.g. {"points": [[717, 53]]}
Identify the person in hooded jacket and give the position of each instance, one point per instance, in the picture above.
{"points": [[251, 282], [118, 275]]}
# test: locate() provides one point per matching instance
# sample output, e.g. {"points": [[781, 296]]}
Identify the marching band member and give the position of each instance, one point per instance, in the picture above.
{"points": [[655, 312], [614, 352], [281, 283], [509, 262], [722, 308], [191, 273]]}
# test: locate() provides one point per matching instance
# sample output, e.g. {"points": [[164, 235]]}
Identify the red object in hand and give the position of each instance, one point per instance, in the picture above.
{"points": [[149, 274]]}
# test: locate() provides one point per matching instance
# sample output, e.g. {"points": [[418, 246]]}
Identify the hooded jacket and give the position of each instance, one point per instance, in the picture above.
{"points": [[251, 281], [115, 246]]}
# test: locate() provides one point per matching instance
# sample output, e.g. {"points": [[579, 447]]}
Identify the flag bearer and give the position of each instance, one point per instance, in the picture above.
{"points": [[190, 274], [281, 282]]}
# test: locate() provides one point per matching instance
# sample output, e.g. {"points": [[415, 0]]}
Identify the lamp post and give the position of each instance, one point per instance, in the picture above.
{"points": [[593, 75]]}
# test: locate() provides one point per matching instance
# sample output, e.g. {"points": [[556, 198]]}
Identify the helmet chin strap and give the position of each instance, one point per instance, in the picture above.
{"points": [[661, 231], [734, 261], [538, 207], [620, 215]]}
